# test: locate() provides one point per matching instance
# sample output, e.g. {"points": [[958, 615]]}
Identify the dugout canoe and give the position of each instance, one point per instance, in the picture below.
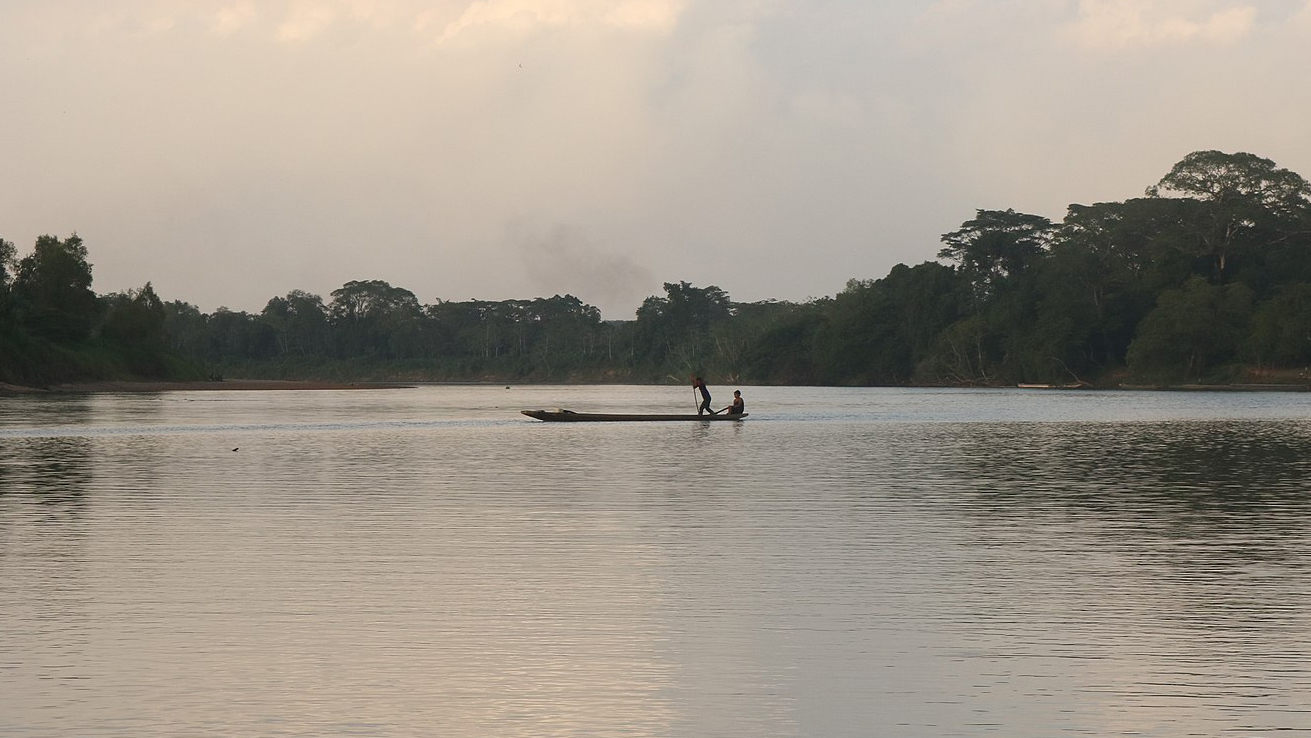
{"points": [[569, 416]]}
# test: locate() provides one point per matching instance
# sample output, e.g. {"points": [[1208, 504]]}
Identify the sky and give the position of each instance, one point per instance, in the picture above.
{"points": [[231, 151]]}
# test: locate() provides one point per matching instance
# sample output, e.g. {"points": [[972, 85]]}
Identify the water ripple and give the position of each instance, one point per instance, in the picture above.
{"points": [[862, 562]]}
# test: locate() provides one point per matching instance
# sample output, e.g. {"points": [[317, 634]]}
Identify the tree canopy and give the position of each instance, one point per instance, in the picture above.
{"points": [[1206, 277]]}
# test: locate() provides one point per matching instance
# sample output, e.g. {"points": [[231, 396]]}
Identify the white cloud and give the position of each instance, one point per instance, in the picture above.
{"points": [[1113, 24], [519, 16], [305, 20], [233, 18], [659, 16]]}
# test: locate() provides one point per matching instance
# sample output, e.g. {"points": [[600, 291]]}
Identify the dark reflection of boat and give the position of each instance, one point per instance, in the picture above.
{"points": [[569, 416]]}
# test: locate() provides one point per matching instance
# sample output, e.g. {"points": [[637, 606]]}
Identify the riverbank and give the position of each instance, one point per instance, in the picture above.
{"points": [[223, 385]]}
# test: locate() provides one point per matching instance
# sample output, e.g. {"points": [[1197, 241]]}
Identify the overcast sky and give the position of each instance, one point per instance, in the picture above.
{"points": [[230, 151]]}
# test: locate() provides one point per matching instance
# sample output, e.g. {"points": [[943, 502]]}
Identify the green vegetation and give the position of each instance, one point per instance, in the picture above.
{"points": [[1207, 278], [53, 328]]}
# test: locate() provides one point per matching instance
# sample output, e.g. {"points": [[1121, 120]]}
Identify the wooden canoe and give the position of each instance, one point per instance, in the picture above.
{"points": [[569, 416]]}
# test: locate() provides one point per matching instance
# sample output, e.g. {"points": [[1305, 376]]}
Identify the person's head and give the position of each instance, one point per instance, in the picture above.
{"points": [[737, 393]]}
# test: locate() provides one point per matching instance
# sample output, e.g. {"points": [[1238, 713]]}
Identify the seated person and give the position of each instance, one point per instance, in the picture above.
{"points": [[738, 407]]}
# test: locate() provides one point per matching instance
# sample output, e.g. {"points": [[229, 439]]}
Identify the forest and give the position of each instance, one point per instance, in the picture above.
{"points": [[1206, 278]]}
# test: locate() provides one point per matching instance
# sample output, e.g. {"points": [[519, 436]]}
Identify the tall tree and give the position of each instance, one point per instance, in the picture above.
{"points": [[1238, 202], [1107, 264], [240, 336], [134, 322], [186, 329], [995, 246], [373, 318], [135, 317], [676, 328], [301, 322], [53, 288], [8, 265], [881, 331]]}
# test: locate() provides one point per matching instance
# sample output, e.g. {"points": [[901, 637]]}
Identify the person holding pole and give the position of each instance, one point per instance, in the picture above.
{"points": [[700, 384]]}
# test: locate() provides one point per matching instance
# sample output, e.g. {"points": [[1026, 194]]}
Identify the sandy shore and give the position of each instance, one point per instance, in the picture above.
{"points": [[227, 384]]}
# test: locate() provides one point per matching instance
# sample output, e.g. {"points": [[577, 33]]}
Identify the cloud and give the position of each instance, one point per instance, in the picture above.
{"points": [[521, 16], [232, 18], [1115, 24], [776, 148], [305, 20], [658, 16]]}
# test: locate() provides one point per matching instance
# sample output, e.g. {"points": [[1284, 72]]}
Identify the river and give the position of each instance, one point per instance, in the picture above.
{"points": [[844, 562]]}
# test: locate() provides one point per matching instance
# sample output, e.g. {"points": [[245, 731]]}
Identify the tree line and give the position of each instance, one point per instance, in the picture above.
{"points": [[1205, 277], [54, 328]]}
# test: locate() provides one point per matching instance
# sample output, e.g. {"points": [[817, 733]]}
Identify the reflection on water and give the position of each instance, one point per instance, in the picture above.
{"points": [[844, 563]]}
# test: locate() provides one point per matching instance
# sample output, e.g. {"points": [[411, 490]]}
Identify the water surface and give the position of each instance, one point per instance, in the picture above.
{"points": [[845, 562]]}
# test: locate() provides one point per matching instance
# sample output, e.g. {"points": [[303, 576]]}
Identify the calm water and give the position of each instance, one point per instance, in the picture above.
{"points": [[426, 562]]}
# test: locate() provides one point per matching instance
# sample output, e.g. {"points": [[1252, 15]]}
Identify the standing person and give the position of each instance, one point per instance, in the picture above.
{"points": [[738, 407], [699, 383]]}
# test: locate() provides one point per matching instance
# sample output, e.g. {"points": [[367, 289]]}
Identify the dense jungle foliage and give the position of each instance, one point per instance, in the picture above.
{"points": [[1207, 277]]}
